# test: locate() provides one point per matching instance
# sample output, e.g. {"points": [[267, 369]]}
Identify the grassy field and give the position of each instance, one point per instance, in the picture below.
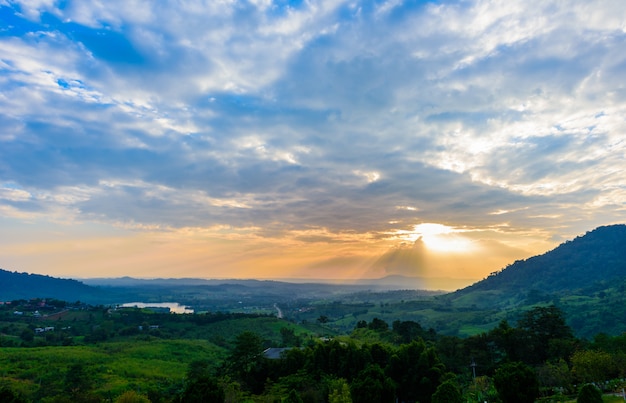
{"points": [[113, 367]]}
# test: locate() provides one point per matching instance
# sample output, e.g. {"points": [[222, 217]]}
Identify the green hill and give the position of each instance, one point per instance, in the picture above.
{"points": [[597, 257], [585, 277], [14, 286]]}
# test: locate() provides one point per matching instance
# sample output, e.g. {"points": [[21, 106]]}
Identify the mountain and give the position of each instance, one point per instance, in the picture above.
{"points": [[14, 285], [598, 256], [584, 277]]}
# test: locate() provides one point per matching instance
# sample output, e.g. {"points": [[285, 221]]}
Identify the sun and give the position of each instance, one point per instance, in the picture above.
{"points": [[442, 238]]}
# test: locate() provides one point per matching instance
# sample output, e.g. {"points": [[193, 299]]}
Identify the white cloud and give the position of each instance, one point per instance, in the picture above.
{"points": [[326, 114]]}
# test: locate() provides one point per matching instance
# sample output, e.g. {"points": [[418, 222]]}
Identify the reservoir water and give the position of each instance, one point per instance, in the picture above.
{"points": [[175, 307]]}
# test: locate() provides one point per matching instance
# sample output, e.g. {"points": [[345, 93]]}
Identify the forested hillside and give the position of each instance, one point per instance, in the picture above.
{"points": [[14, 285], [585, 277], [597, 257]]}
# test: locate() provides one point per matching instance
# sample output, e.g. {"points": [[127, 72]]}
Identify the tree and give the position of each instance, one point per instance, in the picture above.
{"points": [[201, 385], [416, 370], [546, 330], [378, 325], [198, 369], [9, 396], [447, 392], [372, 385], [555, 375], [516, 383], [409, 330], [589, 394], [205, 389], [361, 324], [289, 337], [27, 335], [593, 366], [293, 397], [339, 392], [245, 362], [131, 396], [247, 352], [78, 382]]}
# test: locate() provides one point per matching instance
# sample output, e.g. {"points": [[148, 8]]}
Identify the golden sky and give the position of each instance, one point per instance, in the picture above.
{"points": [[429, 251]]}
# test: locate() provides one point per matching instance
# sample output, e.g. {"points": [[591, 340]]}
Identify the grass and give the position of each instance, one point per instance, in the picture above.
{"points": [[115, 366]]}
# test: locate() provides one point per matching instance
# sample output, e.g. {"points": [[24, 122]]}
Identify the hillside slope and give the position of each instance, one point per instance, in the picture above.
{"points": [[597, 256], [585, 277], [14, 285]]}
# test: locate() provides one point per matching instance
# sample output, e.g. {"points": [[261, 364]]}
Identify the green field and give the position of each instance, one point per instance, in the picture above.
{"points": [[113, 367]]}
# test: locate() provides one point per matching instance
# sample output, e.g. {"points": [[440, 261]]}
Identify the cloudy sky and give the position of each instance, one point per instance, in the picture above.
{"points": [[306, 139]]}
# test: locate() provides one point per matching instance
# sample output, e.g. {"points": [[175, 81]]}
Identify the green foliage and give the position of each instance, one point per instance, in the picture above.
{"points": [[27, 336], [516, 383], [202, 386], [248, 350], [378, 325], [555, 375], [9, 396], [372, 385], [109, 369], [593, 366], [408, 330], [204, 389], [289, 337], [447, 392], [293, 397], [339, 392], [416, 370], [78, 382], [544, 326], [323, 319], [589, 394], [131, 396], [481, 389], [246, 362]]}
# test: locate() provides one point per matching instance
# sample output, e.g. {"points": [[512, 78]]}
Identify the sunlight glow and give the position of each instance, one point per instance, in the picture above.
{"points": [[441, 238]]}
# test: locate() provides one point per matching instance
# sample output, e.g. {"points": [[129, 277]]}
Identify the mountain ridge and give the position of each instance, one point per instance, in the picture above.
{"points": [[598, 255], [15, 285]]}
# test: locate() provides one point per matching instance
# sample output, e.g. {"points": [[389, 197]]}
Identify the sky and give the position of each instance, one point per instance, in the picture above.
{"points": [[306, 139]]}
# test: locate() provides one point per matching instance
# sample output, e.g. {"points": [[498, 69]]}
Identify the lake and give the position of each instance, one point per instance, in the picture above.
{"points": [[175, 307]]}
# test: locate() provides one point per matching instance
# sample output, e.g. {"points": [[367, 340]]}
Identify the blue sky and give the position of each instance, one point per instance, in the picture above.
{"points": [[307, 138]]}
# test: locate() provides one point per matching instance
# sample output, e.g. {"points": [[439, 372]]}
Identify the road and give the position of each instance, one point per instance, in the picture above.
{"points": [[279, 313]]}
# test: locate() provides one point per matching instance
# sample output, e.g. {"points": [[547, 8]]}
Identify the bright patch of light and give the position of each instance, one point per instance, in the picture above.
{"points": [[441, 238]]}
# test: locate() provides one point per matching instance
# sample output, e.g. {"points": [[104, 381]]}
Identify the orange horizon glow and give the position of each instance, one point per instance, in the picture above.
{"points": [[430, 250]]}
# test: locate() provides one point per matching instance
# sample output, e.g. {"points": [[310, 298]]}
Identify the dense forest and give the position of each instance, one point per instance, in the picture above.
{"points": [[54, 351]]}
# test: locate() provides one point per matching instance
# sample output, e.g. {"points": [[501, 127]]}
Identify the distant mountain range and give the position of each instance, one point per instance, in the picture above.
{"points": [[15, 285], [586, 277], [391, 282]]}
